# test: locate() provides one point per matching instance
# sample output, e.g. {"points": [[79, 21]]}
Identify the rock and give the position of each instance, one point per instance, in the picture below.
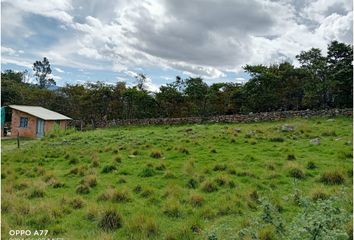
{"points": [[331, 120], [315, 141], [287, 128], [238, 130]]}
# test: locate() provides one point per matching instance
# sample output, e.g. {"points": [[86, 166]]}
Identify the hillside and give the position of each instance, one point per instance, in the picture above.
{"points": [[212, 181]]}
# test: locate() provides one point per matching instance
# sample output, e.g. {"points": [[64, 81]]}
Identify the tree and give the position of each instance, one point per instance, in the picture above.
{"points": [[140, 79], [316, 85], [340, 73], [42, 72]]}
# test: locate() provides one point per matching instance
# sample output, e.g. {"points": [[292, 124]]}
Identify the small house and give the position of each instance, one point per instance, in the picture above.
{"points": [[34, 121]]}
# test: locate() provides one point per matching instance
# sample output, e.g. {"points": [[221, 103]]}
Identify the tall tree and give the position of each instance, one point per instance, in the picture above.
{"points": [[42, 72], [340, 73], [317, 83]]}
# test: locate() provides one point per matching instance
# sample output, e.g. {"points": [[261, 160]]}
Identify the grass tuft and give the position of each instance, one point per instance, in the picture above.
{"points": [[332, 178]]}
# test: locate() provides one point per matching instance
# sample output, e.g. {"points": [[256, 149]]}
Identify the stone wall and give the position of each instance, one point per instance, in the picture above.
{"points": [[237, 118]]}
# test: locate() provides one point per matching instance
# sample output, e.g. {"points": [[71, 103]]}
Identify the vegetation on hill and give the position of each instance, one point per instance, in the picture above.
{"points": [[267, 180], [319, 82]]}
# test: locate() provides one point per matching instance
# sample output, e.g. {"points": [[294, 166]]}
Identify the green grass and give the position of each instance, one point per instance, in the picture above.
{"points": [[172, 182]]}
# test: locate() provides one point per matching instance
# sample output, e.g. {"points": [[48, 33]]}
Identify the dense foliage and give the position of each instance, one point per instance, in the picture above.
{"points": [[319, 82]]}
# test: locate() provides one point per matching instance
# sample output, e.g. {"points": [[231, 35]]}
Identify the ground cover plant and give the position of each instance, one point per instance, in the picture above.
{"points": [[212, 181]]}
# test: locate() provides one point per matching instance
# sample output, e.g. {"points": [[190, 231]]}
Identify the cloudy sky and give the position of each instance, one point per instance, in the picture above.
{"points": [[113, 40]]}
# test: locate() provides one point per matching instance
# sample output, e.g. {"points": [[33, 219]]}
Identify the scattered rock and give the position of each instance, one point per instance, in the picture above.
{"points": [[238, 130], [287, 128], [315, 141]]}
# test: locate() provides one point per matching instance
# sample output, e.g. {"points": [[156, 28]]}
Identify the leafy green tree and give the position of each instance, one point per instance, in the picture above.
{"points": [[42, 72], [316, 85], [340, 73]]}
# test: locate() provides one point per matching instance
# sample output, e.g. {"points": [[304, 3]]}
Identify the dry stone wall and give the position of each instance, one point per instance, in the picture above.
{"points": [[237, 118]]}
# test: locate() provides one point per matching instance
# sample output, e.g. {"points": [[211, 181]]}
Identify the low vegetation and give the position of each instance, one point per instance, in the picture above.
{"points": [[184, 182]]}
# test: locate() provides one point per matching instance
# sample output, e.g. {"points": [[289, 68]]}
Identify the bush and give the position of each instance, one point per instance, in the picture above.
{"points": [[110, 220], [296, 173], [209, 186], [108, 168], [82, 189], [141, 226], [156, 154], [147, 172], [332, 178], [291, 157]]}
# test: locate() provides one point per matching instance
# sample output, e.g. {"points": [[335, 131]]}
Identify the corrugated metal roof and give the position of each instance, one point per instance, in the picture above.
{"points": [[40, 112]]}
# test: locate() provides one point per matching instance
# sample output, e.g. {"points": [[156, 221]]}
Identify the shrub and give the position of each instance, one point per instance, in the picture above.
{"points": [[213, 150], [196, 200], [108, 168], [156, 154], [332, 178], [291, 157], [147, 172], [311, 165], [110, 220], [296, 172], [82, 189], [208, 186]]}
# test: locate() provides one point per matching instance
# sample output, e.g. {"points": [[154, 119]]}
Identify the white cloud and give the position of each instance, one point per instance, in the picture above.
{"points": [[204, 38], [59, 70]]}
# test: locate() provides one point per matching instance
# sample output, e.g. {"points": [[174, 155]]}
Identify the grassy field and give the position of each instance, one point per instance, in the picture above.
{"points": [[213, 181]]}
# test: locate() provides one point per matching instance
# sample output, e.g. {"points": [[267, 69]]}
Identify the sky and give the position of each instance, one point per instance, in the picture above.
{"points": [[114, 40]]}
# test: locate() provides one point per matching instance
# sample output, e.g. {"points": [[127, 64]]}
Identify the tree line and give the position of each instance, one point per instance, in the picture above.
{"points": [[319, 82]]}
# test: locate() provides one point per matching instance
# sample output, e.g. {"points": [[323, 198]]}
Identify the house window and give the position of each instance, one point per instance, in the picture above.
{"points": [[57, 122], [23, 122]]}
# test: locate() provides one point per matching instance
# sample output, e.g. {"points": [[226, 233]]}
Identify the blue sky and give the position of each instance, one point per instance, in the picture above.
{"points": [[111, 41]]}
